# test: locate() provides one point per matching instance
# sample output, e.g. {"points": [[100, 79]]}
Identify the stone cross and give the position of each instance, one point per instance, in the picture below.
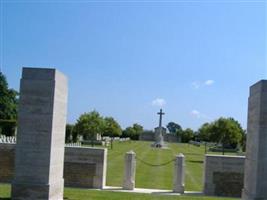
{"points": [[159, 141], [160, 117]]}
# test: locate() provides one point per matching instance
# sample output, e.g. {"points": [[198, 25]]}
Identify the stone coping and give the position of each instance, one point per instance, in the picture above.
{"points": [[224, 156], [82, 147]]}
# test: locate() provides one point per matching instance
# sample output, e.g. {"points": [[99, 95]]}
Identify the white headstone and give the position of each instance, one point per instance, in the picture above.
{"points": [[179, 174], [129, 171]]}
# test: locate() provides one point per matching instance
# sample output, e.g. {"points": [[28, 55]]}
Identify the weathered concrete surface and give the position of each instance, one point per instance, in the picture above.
{"points": [[255, 181], [85, 167], [7, 162], [41, 135], [129, 171], [179, 174], [223, 175]]}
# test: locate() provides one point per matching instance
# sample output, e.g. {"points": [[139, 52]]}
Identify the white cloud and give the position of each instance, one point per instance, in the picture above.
{"points": [[197, 84], [158, 102], [199, 115], [209, 82], [195, 113]]}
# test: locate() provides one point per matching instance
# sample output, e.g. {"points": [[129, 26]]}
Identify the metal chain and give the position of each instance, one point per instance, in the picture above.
{"points": [[155, 165]]}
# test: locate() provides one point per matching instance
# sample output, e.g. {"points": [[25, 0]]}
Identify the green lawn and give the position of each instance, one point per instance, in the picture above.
{"points": [[83, 194], [156, 177]]}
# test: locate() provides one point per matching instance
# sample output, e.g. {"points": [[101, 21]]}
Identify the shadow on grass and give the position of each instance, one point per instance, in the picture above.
{"points": [[1, 198], [192, 193], [196, 161], [193, 154]]}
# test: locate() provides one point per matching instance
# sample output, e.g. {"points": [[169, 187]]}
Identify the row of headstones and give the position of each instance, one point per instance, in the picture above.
{"points": [[12, 140], [76, 144], [130, 168], [7, 139], [107, 138], [194, 143], [124, 139]]}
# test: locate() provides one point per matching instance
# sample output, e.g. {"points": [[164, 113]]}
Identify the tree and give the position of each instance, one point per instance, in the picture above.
{"points": [[111, 127], [174, 128], [204, 132], [138, 129], [133, 132], [226, 131], [187, 135], [89, 124], [69, 133], [128, 132], [8, 107], [243, 132], [243, 141], [8, 100]]}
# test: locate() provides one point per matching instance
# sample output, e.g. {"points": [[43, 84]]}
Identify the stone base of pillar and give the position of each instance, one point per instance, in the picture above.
{"points": [[128, 185], [179, 189], [246, 196], [25, 191]]}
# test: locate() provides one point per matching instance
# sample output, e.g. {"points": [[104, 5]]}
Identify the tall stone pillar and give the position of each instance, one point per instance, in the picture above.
{"points": [[179, 174], [255, 181], [41, 135], [129, 171]]}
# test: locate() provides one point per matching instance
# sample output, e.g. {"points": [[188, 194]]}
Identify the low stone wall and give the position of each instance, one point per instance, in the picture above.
{"points": [[7, 162], [223, 175], [167, 137], [171, 138], [147, 137], [83, 166]]}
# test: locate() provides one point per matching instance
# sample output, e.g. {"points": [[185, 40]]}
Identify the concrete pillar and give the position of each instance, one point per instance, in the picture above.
{"points": [[255, 181], [129, 171], [41, 135], [179, 174]]}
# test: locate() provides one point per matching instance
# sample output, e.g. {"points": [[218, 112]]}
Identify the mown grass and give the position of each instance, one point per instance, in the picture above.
{"points": [[83, 194], [156, 177]]}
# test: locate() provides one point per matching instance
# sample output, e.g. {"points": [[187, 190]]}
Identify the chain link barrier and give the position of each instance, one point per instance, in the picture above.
{"points": [[155, 165]]}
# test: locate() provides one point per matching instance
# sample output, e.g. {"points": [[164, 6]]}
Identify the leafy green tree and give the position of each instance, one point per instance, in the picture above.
{"points": [[243, 141], [8, 107], [138, 129], [226, 131], [187, 135], [111, 127], [89, 124], [204, 132], [174, 128], [69, 133], [133, 132], [8, 127], [8, 100], [128, 132], [243, 132]]}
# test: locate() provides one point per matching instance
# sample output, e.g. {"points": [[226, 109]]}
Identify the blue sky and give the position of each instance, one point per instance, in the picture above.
{"points": [[127, 59]]}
